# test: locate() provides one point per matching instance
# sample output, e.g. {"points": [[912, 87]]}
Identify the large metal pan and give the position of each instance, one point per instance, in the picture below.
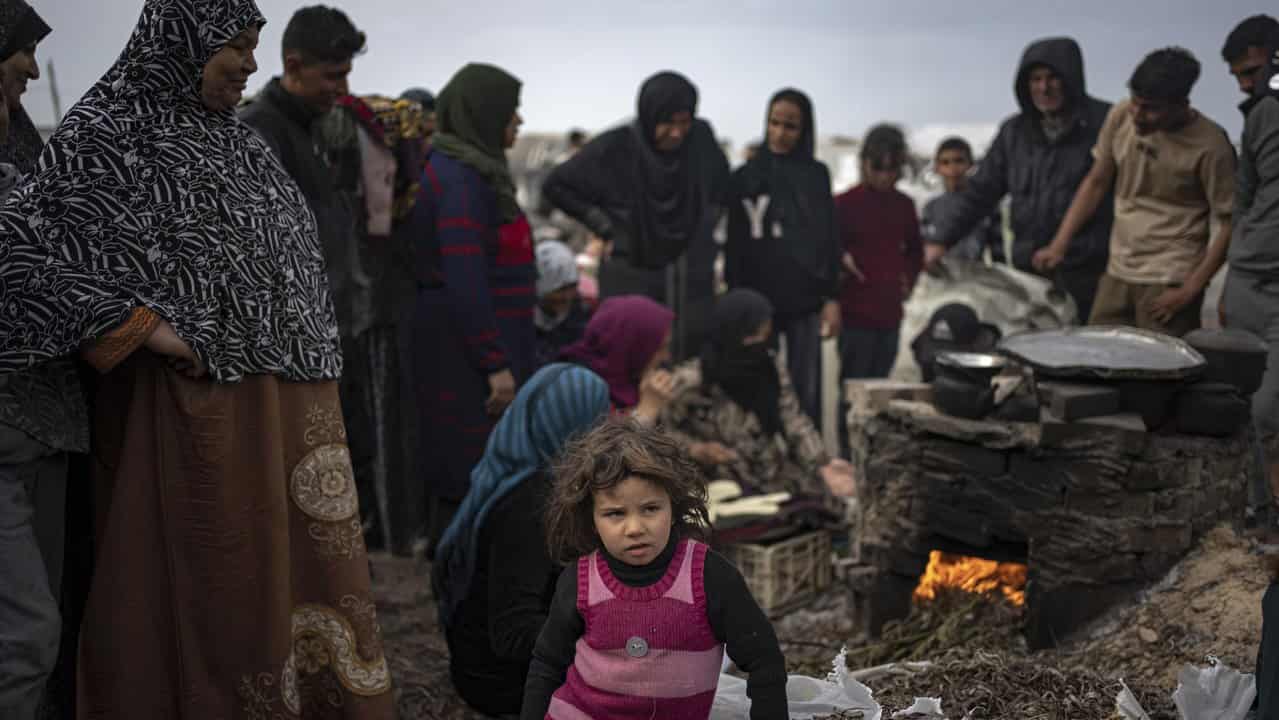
{"points": [[1104, 352]]}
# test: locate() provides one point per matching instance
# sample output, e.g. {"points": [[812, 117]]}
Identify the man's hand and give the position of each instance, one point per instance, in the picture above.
{"points": [[163, 340], [712, 453], [831, 320], [840, 478], [1047, 258], [501, 392], [933, 253], [850, 265], [1169, 302]]}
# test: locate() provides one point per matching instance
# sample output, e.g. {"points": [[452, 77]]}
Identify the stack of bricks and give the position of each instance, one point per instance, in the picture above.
{"points": [[1097, 510]]}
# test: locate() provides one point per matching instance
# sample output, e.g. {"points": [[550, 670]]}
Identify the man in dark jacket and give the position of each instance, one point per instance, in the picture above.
{"points": [[319, 44], [1039, 158], [1245, 51], [1250, 300]]}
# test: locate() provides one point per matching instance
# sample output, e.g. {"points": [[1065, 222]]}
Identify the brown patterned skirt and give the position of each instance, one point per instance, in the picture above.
{"points": [[231, 578]]}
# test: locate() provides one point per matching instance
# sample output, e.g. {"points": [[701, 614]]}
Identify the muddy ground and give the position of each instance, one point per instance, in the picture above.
{"points": [[1209, 605]]}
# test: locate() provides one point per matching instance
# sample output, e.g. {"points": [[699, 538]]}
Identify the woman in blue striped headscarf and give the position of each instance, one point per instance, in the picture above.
{"points": [[493, 577]]}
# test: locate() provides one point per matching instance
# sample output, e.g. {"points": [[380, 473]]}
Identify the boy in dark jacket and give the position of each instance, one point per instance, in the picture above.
{"points": [[952, 163], [1039, 158], [883, 254]]}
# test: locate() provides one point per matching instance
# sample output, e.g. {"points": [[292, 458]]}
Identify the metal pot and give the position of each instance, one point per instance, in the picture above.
{"points": [[970, 367], [963, 399]]}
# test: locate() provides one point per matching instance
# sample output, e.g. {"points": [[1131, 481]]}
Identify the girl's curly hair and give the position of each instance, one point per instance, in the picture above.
{"points": [[603, 458]]}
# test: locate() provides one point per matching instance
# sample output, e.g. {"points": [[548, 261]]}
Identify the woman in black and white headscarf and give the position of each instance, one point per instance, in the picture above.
{"points": [[160, 236]]}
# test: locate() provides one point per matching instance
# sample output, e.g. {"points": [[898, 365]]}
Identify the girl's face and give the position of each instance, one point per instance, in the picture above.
{"points": [[882, 174], [633, 520], [785, 127]]}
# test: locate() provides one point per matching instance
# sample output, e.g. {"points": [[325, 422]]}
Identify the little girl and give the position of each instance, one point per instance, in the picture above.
{"points": [[640, 622]]}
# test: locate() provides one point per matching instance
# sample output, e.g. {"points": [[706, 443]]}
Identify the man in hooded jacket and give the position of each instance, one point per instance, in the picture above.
{"points": [[1039, 158]]}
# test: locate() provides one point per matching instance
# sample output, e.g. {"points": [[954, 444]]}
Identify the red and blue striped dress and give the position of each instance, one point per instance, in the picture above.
{"points": [[473, 316]]}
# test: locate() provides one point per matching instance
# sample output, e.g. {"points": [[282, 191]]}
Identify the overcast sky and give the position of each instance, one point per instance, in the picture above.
{"points": [[916, 63]]}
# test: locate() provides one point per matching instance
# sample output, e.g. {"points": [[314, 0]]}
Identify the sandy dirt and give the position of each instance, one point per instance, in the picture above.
{"points": [[1210, 604]]}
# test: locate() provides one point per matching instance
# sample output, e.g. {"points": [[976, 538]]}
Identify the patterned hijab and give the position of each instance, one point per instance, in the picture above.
{"points": [[146, 198], [558, 402], [400, 126], [20, 27]]}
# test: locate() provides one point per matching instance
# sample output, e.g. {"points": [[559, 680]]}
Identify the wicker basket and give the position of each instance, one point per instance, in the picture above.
{"points": [[784, 575]]}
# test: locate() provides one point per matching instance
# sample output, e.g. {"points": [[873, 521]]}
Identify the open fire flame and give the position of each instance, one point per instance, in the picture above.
{"points": [[975, 575]]}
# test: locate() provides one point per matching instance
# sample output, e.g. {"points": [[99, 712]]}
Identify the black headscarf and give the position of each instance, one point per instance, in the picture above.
{"points": [[746, 373], [657, 200], [798, 186], [147, 198], [20, 28]]}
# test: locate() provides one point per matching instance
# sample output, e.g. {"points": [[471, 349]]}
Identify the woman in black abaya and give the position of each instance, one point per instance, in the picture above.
{"points": [[652, 190]]}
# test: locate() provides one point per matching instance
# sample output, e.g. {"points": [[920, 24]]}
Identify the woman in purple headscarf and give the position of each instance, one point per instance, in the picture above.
{"points": [[628, 343]]}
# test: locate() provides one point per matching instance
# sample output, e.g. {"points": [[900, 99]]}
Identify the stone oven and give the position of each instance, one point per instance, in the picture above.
{"points": [[1096, 510]]}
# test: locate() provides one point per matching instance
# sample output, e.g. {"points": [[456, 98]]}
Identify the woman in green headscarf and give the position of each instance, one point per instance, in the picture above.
{"points": [[473, 331]]}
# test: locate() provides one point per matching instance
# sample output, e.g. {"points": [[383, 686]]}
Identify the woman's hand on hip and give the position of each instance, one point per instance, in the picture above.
{"points": [[164, 340]]}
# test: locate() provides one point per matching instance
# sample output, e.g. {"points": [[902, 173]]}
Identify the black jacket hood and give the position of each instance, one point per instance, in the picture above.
{"points": [[1063, 55]]}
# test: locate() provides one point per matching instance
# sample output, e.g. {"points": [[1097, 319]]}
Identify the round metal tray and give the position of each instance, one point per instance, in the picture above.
{"points": [[1105, 352]]}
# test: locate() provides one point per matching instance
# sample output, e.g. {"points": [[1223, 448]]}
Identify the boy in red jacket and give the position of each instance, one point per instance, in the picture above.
{"points": [[883, 254]]}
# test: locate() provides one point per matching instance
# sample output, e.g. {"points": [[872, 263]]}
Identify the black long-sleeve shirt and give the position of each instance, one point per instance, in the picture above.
{"points": [[735, 618], [497, 625]]}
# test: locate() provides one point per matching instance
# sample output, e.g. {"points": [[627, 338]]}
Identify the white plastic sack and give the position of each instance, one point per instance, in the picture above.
{"points": [[1216, 692], [1127, 706], [806, 696], [924, 708]]}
